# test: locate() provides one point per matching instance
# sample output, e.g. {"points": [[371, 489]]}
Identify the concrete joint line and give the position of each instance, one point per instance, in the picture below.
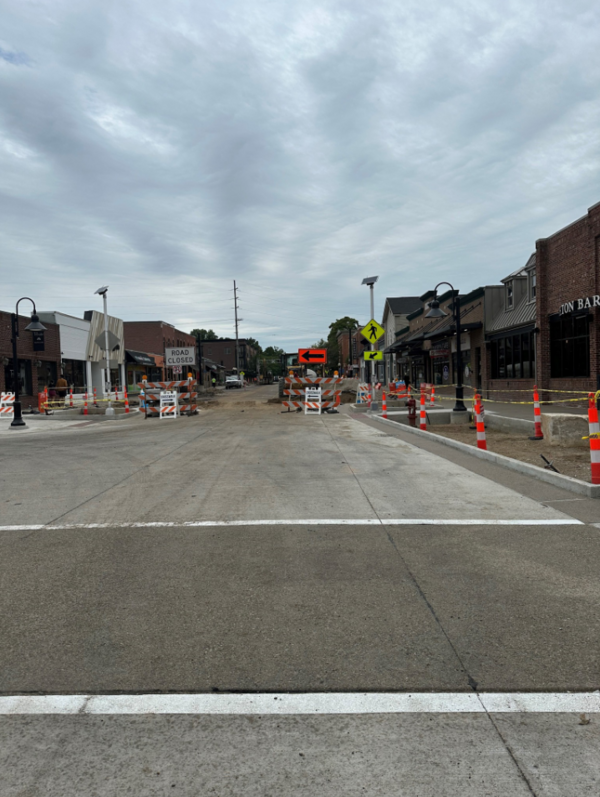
{"points": [[311, 703]]}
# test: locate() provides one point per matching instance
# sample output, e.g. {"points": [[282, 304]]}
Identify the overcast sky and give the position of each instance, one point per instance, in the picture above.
{"points": [[167, 147]]}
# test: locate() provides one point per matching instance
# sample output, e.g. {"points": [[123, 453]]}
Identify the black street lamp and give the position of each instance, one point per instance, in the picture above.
{"points": [[35, 326], [436, 312]]}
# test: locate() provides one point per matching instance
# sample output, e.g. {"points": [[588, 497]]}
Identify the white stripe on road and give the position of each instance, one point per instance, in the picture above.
{"points": [[323, 703], [302, 522]]}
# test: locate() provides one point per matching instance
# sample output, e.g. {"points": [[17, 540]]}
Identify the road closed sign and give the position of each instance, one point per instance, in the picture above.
{"points": [[183, 356]]}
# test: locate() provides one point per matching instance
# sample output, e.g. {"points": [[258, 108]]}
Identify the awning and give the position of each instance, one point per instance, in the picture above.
{"points": [[139, 357]]}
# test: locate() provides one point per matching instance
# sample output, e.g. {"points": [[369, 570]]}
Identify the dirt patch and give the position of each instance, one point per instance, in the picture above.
{"points": [[569, 461]]}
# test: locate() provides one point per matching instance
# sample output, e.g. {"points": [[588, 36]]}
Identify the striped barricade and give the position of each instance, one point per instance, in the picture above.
{"points": [[187, 397], [7, 405], [333, 397]]}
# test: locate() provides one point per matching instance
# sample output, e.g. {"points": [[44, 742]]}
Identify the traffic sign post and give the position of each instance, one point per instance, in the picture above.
{"points": [[312, 356]]}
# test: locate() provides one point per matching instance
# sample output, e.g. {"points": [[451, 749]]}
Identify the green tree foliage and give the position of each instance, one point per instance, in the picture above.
{"points": [[333, 349], [204, 334]]}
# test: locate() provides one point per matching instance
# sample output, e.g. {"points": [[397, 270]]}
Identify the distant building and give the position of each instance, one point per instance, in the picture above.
{"points": [[222, 352], [152, 338]]}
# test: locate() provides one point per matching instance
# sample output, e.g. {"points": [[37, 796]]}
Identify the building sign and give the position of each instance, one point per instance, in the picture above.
{"points": [[39, 343], [580, 304], [183, 356]]}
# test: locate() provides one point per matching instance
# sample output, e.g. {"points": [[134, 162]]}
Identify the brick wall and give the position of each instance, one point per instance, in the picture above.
{"points": [[222, 352], [153, 337], [568, 265], [25, 352]]}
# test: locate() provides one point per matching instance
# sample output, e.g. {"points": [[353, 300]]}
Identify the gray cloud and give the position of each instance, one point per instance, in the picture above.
{"points": [[167, 148]]}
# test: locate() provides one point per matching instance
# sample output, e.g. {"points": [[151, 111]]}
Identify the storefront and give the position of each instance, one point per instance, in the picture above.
{"points": [[139, 364], [567, 292], [38, 363]]}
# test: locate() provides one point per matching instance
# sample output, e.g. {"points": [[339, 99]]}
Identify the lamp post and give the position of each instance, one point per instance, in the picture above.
{"points": [[370, 281], [436, 312], [35, 326], [102, 292]]}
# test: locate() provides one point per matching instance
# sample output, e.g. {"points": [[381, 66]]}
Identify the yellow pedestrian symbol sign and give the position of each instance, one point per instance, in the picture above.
{"points": [[373, 355], [373, 331]]}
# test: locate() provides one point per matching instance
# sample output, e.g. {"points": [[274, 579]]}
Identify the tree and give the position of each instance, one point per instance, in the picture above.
{"points": [[333, 350], [204, 334]]}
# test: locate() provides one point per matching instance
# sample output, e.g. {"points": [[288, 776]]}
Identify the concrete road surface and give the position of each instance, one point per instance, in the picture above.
{"points": [[250, 602]]}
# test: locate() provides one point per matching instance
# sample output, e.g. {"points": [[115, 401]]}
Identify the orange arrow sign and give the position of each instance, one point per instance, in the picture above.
{"points": [[312, 356]]}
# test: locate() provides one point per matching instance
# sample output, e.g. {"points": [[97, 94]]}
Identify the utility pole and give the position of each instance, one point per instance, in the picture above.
{"points": [[237, 342]]}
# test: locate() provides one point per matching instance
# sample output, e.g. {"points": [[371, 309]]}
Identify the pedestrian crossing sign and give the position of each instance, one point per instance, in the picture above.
{"points": [[373, 331], [373, 355]]}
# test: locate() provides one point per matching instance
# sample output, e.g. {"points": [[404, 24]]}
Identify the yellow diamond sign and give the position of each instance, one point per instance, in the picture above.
{"points": [[373, 331]]}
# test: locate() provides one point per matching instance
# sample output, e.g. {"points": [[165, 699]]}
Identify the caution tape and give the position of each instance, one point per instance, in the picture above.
{"points": [[514, 390], [499, 401]]}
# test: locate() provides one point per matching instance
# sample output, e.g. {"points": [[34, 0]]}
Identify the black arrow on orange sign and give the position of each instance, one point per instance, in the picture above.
{"points": [[311, 357]]}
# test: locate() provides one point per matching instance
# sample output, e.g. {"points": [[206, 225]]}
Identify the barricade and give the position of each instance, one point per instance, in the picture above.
{"points": [[594, 438], [363, 394], [312, 400], [398, 390], [332, 395], [187, 397], [481, 441], [168, 404], [7, 405], [422, 413], [537, 416]]}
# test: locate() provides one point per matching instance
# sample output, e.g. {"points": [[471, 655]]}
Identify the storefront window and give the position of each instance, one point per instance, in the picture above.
{"points": [[46, 375], [24, 376], [513, 357], [570, 347]]}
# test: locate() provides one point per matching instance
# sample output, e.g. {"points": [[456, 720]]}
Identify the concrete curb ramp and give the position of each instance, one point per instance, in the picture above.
{"points": [[557, 479]]}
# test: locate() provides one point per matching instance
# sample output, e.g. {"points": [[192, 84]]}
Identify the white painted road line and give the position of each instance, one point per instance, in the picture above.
{"points": [[301, 522], [323, 703]]}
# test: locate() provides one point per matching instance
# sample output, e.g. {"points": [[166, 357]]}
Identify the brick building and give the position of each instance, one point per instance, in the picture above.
{"points": [[567, 293], [152, 338], [350, 363], [36, 368], [222, 352]]}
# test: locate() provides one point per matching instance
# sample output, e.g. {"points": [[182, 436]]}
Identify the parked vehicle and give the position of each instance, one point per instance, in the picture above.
{"points": [[233, 381]]}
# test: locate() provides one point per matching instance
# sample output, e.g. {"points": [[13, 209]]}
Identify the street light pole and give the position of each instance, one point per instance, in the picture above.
{"points": [[103, 291], [435, 312], [34, 326], [370, 281]]}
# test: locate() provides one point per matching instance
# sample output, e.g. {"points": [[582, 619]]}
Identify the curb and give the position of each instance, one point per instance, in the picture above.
{"points": [[557, 479]]}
